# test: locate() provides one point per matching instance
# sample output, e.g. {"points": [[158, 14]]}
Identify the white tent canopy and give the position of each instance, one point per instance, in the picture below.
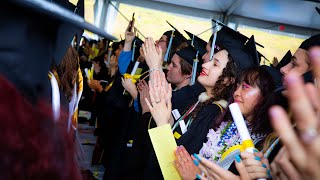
{"points": [[298, 16]]}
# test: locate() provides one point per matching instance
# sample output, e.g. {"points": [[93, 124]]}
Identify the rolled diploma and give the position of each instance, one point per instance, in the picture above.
{"points": [[242, 128], [241, 125], [135, 67], [87, 74]]}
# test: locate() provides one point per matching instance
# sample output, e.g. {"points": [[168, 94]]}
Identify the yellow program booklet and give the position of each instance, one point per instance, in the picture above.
{"points": [[164, 145]]}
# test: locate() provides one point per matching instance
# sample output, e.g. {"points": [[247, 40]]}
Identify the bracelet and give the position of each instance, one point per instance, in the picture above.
{"points": [[154, 69]]}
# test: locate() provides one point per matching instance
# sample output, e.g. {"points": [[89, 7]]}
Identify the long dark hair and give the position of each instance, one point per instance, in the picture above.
{"points": [[220, 90], [259, 77]]}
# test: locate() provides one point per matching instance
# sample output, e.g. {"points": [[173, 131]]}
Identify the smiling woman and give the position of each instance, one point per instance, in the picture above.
{"points": [[254, 94]]}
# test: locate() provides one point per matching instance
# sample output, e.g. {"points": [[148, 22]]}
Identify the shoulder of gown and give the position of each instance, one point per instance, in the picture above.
{"points": [[196, 134]]}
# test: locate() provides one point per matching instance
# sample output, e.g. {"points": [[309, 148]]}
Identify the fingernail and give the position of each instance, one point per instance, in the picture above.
{"points": [[238, 159], [263, 165], [257, 158], [196, 162], [197, 157], [273, 112], [269, 173], [255, 150], [198, 176]]}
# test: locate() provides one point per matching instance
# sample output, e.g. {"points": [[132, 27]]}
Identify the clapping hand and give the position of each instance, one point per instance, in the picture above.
{"points": [[185, 164], [143, 89], [213, 171], [152, 54], [95, 85], [303, 147], [160, 96], [130, 87]]}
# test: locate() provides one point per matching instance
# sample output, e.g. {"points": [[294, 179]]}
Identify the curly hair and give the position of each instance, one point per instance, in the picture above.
{"points": [[220, 89], [258, 77], [67, 71]]}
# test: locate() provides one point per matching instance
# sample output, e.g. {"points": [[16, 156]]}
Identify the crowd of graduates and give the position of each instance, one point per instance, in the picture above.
{"points": [[131, 86]]}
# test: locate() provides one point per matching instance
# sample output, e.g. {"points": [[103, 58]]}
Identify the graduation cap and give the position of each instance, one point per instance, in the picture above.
{"points": [[79, 9], [275, 74], [245, 56], [240, 36], [35, 33], [191, 55], [198, 43], [251, 49], [307, 77], [285, 60], [318, 10], [175, 40], [261, 57], [310, 42], [225, 37]]}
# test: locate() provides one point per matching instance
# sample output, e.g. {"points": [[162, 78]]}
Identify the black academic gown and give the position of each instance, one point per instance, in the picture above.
{"points": [[181, 99], [125, 120], [192, 140], [185, 96]]}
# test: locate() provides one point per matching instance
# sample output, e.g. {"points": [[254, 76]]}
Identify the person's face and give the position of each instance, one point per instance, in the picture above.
{"points": [[206, 56], [87, 45], [299, 63], [118, 51], [95, 64], [174, 74], [247, 97], [212, 70], [162, 42], [105, 57], [100, 44]]}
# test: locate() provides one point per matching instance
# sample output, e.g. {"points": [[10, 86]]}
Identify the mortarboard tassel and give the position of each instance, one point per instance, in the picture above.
{"points": [[55, 97], [109, 55], [194, 70], [107, 45], [133, 50], [169, 47], [192, 40], [214, 41]]}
